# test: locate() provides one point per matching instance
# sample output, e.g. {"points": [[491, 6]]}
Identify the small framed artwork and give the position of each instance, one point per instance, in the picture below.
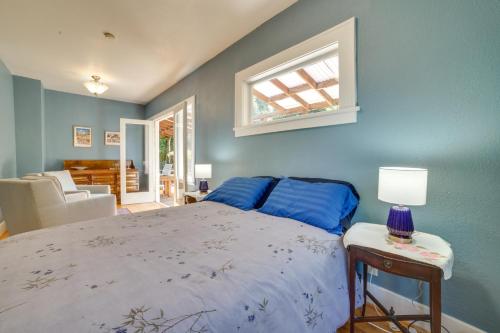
{"points": [[112, 138], [82, 136]]}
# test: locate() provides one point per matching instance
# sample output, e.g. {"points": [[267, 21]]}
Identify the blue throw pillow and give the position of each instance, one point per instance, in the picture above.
{"points": [[322, 205], [267, 192], [240, 192]]}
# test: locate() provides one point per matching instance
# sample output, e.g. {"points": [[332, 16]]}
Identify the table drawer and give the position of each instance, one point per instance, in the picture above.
{"points": [[394, 264], [81, 180]]}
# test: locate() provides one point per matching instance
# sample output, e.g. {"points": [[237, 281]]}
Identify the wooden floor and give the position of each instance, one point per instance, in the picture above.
{"points": [[367, 328], [136, 208], [4, 235]]}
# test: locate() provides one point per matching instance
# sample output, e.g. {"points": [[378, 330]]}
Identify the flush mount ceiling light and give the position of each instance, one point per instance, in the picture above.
{"points": [[108, 35], [95, 86]]}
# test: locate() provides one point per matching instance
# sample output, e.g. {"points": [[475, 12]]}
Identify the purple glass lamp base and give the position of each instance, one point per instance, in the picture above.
{"points": [[400, 224], [203, 186]]}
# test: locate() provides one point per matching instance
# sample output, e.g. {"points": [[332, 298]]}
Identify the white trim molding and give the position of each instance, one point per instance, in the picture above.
{"points": [[405, 305], [189, 163], [341, 39], [149, 158]]}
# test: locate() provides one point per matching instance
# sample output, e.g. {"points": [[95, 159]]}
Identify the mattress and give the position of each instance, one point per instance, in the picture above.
{"points": [[205, 267]]}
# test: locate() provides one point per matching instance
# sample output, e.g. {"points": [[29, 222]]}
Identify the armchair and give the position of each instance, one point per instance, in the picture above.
{"points": [[74, 192], [36, 202]]}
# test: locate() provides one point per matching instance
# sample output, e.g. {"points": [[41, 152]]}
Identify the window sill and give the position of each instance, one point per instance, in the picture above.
{"points": [[342, 116]]}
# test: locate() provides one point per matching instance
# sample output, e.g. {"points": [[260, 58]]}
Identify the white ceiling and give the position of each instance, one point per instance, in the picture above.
{"points": [[158, 42]]}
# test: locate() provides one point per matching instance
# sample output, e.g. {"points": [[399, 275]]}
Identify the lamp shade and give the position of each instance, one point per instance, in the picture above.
{"points": [[95, 86], [403, 186], [203, 171]]}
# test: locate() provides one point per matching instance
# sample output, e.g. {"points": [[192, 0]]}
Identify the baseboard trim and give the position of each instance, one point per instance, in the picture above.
{"points": [[404, 305]]}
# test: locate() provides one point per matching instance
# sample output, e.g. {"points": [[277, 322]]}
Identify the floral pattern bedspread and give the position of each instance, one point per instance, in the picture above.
{"points": [[205, 267]]}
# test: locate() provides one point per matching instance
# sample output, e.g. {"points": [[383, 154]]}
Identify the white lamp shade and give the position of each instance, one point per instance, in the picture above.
{"points": [[203, 171], [96, 87], [403, 186]]}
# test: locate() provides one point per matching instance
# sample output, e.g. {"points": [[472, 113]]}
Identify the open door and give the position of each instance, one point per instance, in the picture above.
{"points": [[183, 116], [184, 148], [137, 181]]}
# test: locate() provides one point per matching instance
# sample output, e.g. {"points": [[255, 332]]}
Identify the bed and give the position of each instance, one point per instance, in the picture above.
{"points": [[205, 267]]}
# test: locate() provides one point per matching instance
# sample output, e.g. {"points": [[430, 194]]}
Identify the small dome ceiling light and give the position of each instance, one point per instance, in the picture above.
{"points": [[108, 35], [95, 86]]}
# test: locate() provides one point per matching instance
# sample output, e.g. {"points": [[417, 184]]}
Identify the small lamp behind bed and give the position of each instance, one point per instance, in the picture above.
{"points": [[203, 171], [402, 186]]}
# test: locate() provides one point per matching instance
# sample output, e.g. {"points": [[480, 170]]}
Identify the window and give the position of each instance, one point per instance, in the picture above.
{"points": [[309, 85], [311, 88]]}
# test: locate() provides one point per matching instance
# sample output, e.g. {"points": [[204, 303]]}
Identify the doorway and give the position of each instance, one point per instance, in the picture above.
{"points": [[174, 150], [137, 182], [167, 160]]}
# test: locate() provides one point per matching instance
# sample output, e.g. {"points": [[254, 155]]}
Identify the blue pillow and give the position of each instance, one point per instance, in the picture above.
{"points": [[322, 205], [345, 221], [240, 192], [267, 192]]}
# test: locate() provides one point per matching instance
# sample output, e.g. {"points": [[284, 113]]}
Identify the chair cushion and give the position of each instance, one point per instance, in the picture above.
{"points": [[167, 169], [77, 196], [65, 179]]}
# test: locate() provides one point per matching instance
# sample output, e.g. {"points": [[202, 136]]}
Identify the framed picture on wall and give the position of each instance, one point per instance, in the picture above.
{"points": [[82, 136], [112, 138]]}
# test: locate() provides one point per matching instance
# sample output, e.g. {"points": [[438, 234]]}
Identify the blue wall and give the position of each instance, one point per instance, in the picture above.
{"points": [[41, 137], [428, 88], [7, 125], [63, 110], [30, 119]]}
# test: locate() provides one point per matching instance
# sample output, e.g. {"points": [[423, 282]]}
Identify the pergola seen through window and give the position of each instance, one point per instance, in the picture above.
{"points": [[310, 84], [311, 88]]}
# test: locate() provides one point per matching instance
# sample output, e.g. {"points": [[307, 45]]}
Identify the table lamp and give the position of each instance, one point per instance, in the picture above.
{"points": [[402, 186], [203, 171]]}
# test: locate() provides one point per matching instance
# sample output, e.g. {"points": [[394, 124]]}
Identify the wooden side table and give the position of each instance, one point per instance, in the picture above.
{"points": [[427, 259], [194, 197]]}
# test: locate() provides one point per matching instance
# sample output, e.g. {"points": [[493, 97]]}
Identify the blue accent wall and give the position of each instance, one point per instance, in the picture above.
{"points": [[428, 88], [38, 126], [64, 110], [7, 125], [30, 119]]}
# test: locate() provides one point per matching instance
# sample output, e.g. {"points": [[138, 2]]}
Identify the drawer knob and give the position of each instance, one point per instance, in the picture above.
{"points": [[387, 263]]}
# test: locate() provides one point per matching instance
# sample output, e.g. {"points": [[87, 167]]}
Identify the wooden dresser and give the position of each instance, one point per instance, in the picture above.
{"points": [[103, 172]]}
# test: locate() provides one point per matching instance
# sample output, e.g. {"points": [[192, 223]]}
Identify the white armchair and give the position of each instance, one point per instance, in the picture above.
{"points": [[36, 202], [74, 192]]}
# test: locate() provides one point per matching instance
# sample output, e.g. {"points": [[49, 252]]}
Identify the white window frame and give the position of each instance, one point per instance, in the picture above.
{"points": [[343, 35]]}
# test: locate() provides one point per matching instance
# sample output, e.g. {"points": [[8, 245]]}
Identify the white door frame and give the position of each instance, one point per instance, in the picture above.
{"points": [[137, 197], [156, 119]]}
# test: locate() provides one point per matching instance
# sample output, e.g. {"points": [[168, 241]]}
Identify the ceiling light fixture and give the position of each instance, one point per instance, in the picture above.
{"points": [[108, 35], [95, 86]]}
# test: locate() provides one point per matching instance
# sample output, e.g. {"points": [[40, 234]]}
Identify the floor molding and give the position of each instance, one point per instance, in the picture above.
{"points": [[404, 306]]}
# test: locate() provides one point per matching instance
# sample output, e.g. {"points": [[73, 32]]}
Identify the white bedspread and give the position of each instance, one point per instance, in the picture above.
{"points": [[204, 267]]}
